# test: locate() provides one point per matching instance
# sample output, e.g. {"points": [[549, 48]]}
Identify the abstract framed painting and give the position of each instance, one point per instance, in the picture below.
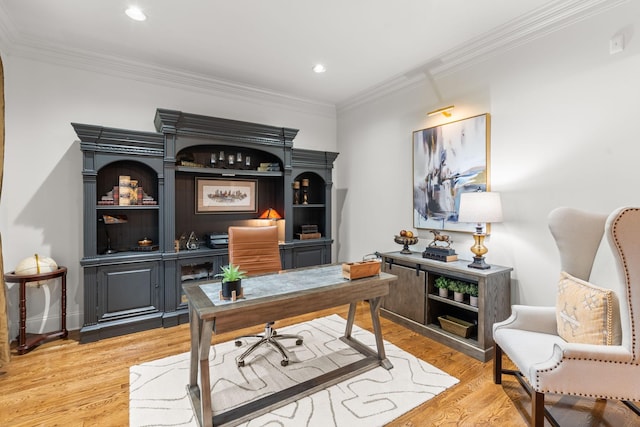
{"points": [[225, 196], [448, 160]]}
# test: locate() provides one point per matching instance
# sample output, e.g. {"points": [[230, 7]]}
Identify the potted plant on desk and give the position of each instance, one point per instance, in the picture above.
{"points": [[231, 280]]}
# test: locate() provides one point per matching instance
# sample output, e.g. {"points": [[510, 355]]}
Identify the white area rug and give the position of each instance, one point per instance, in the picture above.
{"points": [[158, 395]]}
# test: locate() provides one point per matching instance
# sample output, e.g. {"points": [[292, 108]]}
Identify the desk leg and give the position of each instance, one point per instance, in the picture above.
{"points": [[205, 375], [200, 396], [195, 326], [351, 317], [374, 306]]}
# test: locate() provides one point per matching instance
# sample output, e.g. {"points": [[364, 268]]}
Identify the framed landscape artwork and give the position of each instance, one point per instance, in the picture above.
{"points": [[224, 196], [448, 160]]}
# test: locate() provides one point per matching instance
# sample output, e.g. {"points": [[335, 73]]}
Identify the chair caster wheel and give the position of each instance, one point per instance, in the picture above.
{"points": [[284, 362], [298, 342], [238, 343], [240, 363]]}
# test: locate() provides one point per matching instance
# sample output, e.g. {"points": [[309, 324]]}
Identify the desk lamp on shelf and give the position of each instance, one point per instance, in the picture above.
{"points": [[275, 219], [480, 207], [110, 220]]}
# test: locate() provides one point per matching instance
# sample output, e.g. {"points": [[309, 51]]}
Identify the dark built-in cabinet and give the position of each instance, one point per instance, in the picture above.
{"points": [[137, 256], [415, 303]]}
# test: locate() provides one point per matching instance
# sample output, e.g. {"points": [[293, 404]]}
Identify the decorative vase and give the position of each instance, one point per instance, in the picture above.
{"points": [[473, 301], [458, 296], [443, 292], [229, 287]]}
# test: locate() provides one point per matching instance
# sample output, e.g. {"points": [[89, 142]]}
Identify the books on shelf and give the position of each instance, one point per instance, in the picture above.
{"points": [[125, 194], [306, 236]]}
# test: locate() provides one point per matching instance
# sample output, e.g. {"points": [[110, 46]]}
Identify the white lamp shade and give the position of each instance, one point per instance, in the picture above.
{"points": [[480, 207]]}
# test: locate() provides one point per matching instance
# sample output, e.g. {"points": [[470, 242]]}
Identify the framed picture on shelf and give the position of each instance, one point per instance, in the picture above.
{"points": [[448, 160], [225, 196]]}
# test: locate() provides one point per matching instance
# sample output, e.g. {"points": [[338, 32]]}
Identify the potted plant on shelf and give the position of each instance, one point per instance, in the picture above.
{"points": [[442, 283], [231, 280], [473, 294], [458, 287]]}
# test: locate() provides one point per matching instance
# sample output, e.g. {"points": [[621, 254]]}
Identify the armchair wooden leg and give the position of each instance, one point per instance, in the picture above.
{"points": [[537, 409], [497, 364]]}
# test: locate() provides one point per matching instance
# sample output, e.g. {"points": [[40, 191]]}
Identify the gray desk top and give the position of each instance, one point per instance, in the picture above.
{"points": [[281, 283]]}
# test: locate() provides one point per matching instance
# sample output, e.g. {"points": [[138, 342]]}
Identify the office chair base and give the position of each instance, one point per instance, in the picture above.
{"points": [[270, 337]]}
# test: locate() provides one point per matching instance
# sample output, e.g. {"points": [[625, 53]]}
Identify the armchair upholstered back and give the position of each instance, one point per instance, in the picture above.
{"points": [[530, 336], [623, 234]]}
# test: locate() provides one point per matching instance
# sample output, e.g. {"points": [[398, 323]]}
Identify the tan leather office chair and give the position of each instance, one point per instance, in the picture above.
{"points": [[256, 251]]}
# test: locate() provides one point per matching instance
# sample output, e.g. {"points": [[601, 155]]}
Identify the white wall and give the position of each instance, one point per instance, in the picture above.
{"points": [[41, 206], [563, 133]]}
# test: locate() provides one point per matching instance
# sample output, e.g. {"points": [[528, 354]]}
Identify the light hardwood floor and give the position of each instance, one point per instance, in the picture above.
{"points": [[69, 384]]}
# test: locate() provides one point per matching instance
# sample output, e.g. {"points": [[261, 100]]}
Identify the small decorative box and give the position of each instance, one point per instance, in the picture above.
{"points": [[358, 270]]}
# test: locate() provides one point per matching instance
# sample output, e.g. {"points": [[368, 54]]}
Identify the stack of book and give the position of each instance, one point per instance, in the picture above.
{"points": [[269, 167], [128, 192], [309, 231]]}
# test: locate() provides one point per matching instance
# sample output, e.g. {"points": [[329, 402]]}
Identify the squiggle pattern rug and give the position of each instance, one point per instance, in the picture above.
{"points": [[158, 395]]}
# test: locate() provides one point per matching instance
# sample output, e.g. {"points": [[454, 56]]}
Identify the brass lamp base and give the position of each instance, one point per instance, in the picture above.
{"points": [[478, 262], [479, 249]]}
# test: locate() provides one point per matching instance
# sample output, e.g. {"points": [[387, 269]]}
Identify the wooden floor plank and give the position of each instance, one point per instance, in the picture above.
{"points": [[64, 383]]}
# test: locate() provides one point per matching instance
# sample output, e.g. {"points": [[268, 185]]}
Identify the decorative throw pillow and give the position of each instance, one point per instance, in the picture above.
{"points": [[584, 312]]}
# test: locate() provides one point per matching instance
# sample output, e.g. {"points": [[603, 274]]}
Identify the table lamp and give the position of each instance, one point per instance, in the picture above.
{"points": [[108, 221], [480, 207], [276, 219], [270, 214]]}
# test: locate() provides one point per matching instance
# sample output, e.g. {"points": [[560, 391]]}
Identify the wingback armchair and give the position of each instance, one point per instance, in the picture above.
{"points": [[540, 340]]}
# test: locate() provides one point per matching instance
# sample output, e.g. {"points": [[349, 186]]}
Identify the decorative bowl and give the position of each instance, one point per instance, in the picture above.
{"points": [[405, 242], [145, 242]]}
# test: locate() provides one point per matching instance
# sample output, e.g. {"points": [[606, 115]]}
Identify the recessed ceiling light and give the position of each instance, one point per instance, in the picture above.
{"points": [[319, 68], [135, 13]]}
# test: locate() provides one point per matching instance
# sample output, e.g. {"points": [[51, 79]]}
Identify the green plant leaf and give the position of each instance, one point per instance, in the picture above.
{"points": [[231, 273]]}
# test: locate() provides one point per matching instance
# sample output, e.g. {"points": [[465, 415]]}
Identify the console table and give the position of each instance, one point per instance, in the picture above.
{"points": [[28, 341], [270, 297], [416, 304]]}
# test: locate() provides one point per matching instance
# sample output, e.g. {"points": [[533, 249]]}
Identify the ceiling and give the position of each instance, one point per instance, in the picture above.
{"points": [[271, 45]]}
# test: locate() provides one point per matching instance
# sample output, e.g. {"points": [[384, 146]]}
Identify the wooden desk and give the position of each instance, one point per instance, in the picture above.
{"points": [[271, 297], [28, 341]]}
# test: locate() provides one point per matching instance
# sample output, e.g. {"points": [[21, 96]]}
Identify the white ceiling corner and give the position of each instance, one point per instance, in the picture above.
{"points": [[370, 48]]}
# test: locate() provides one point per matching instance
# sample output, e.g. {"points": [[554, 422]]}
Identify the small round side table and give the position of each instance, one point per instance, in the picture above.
{"points": [[28, 341]]}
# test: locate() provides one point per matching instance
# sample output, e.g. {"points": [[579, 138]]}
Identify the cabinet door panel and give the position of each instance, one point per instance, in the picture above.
{"points": [[127, 291], [306, 257], [407, 296]]}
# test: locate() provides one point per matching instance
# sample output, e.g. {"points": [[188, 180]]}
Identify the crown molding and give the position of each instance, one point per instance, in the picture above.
{"points": [[14, 44], [538, 23], [541, 22]]}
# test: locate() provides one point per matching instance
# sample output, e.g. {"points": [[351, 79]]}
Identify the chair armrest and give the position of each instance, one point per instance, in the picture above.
{"points": [[530, 318], [609, 353]]}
